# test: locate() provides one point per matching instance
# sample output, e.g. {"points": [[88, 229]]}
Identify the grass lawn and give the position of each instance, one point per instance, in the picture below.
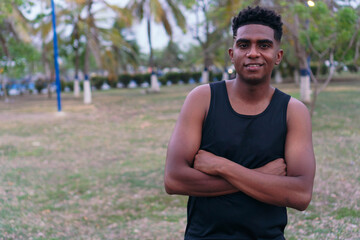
{"points": [[96, 172]]}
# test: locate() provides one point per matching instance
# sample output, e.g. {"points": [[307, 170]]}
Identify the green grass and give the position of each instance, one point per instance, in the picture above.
{"points": [[97, 172]]}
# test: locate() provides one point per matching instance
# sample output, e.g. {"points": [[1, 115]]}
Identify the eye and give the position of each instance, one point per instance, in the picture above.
{"points": [[243, 45], [264, 45]]}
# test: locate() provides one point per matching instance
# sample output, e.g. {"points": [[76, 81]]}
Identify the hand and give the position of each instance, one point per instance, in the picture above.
{"points": [[275, 167], [207, 162]]}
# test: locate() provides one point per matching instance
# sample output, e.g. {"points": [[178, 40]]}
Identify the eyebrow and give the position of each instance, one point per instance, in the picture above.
{"points": [[244, 40]]}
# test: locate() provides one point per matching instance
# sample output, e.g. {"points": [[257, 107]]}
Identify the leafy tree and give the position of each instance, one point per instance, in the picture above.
{"points": [[324, 32], [157, 11], [12, 29], [170, 56]]}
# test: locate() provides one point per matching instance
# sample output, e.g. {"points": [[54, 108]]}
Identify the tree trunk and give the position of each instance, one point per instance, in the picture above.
{"points": [[3, 79], [296, 76], [278, 77], [305, 90], [87, 85], [153, 79], [77, 63]]}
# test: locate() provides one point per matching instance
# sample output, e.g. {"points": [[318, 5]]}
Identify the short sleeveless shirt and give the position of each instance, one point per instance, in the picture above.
{"points": [[249, 140]]}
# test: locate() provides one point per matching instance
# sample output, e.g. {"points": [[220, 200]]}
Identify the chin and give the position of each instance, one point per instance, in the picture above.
{"points": [[254, 81]]}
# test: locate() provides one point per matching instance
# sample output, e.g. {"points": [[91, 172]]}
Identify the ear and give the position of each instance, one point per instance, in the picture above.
{"points": [[279, 56], [231, 54]]}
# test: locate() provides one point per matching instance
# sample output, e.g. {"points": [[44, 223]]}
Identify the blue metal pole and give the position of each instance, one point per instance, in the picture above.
{"points": [[57, 73]]}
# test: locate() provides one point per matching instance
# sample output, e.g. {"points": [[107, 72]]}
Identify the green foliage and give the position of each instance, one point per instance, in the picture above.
{"points": [[173, 77], [22, 56], [124, 79], [138, 78], [70, 85], [112, 81], [6, 7], [40, 84], [346, 19], [145, 78], [301, 9], [188, 3], [98, 81], [185, 76], [215, 76], [196, 76]]}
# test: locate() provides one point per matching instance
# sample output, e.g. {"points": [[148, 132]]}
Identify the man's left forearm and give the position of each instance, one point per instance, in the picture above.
{"points": [[289, 191]]}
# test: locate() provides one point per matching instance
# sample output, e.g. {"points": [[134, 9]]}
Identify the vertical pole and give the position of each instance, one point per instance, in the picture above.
{"points": [[57, 74]]}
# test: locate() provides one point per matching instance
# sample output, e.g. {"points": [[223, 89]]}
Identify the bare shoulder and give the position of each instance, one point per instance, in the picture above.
{"points": [[201, 93], [198, 99], [297, 111]]}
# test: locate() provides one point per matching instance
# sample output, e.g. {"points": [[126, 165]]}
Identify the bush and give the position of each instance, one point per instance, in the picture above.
{"points": [[162, 80], [196, 76], [352, 68], [125, 79], [112, 81], [62, 85], [323, 69], [173, 77], [146, 78], [70, 85], [185, 76], [218, 76], [138, 78], [98, 81], [40, 84]]}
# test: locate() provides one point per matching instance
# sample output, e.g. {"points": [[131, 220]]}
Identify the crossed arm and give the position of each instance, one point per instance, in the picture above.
{"points": [[210, 175]]}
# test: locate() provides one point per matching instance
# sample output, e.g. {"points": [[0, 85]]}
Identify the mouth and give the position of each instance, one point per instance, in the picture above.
{"points": [[253, 66]]}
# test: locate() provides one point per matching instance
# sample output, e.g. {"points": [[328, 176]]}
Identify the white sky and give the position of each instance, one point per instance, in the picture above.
{"points": [[158, 34]]}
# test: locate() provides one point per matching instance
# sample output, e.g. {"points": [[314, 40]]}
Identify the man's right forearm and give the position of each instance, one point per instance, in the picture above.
{"points": [[191, 182]]}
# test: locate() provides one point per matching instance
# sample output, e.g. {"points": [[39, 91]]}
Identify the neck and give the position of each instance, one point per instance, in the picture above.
{"points": [[252, 93]]}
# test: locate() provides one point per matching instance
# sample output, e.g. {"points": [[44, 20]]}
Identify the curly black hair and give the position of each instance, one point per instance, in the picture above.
{"points": [[258, 15]]}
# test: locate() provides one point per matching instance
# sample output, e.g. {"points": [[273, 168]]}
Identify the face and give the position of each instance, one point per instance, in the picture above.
{"points": [[254, 53]]}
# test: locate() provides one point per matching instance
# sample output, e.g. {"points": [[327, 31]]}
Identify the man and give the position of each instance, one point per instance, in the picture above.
{"points": [[241, 149]]}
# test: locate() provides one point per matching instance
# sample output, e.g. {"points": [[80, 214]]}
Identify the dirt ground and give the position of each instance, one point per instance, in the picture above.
{"points": [[96, 171]]}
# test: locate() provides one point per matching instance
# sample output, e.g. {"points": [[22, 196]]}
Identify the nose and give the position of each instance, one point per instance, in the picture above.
{"points": [[253, 52]]}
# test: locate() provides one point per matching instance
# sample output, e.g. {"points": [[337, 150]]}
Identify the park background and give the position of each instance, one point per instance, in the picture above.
{"points": [[94, 169]]}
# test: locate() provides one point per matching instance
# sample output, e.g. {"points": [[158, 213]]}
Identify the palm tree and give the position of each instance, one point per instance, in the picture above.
{"points": [[13, 25], [213, 31], [157, 11], [97, 39]]}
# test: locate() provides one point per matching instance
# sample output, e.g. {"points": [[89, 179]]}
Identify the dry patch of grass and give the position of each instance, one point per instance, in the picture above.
{"points": [[97, 171]]}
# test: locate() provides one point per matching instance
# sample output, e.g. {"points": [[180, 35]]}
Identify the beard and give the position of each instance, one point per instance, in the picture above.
{"points": [[253, 81]]}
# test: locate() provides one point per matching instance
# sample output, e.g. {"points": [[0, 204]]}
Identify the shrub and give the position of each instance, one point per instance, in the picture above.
{"points": [[138, 78], [173, 77], [212, 76], [196, 76], [162, 80], [185, 76], [352, 68], [40, 84], [70, 85], [98, 81], [146, 78], [124, 79], [112, 81], [62, 85]]}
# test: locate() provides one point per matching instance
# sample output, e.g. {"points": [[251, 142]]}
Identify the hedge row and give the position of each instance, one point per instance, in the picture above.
{"points": [[174, 78], [125, 79]]}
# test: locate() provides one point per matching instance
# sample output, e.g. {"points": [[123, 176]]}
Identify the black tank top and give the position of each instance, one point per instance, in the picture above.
{"points": [[249, 140]]}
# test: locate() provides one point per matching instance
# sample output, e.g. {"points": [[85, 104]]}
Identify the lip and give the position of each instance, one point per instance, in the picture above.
{"points": [[253, 66]]}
